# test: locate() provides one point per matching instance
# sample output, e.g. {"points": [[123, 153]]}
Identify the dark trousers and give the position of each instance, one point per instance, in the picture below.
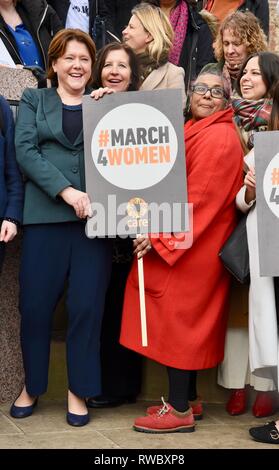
{"points": [[121, 368], [52, 254]]}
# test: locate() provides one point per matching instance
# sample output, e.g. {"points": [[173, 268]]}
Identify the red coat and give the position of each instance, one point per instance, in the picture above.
{"points": [[186, 290]]}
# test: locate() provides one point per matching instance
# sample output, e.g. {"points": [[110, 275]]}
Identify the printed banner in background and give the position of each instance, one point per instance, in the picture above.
{"points": [[267, 195], [135, 163]]}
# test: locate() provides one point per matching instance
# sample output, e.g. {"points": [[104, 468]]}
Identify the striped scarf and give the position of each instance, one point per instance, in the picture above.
{"points": [[179, 21], [251, 116]]}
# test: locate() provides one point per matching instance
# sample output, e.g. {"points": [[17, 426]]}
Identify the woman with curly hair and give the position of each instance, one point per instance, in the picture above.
{"points": [[239, 36]]}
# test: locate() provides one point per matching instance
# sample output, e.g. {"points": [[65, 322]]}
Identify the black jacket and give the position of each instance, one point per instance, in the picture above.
{"points": [[62, 6], [119, 12], [40, 20], [260, 8], [197, 49]]}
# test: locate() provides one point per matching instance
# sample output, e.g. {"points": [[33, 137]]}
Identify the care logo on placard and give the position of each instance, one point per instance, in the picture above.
{"points": [[271, 185], [137, 207], [137, 210], [133, 157]]}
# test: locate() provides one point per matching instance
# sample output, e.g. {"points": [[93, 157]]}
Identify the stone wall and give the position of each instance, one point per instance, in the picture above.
{"points": [[274, 27]]}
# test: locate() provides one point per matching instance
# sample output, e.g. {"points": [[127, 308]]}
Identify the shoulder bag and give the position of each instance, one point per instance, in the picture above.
{"points": [[235, 254]]}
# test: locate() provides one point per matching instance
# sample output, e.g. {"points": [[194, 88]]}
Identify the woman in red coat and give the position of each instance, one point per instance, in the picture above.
{"points": [[186, 289]]}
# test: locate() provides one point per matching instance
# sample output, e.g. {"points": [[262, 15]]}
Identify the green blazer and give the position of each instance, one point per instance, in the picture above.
{"points": [[49, 162]]}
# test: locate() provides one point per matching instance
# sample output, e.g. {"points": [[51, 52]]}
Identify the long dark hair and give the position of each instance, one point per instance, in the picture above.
{"points": [[274, 116], [133, 63], [269, 67]]}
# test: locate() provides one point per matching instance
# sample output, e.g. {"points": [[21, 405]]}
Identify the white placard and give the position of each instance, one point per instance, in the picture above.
{"points": [[135, 163], [267, 195], [5, 57]]}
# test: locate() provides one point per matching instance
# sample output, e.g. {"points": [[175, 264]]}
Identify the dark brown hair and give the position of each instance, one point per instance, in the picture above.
{"points": [[58, 47], [274, 117], [101, 59], [269, 67]]}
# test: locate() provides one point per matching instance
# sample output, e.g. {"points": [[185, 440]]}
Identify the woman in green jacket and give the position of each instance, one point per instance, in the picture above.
{"points": [[50, 152]]}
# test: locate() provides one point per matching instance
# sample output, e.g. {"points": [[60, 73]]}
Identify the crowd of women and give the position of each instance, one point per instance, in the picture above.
{"points": [[229, 85]]}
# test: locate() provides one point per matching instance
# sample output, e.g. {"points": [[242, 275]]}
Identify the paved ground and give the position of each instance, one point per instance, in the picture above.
{"points": [[112, 429]]}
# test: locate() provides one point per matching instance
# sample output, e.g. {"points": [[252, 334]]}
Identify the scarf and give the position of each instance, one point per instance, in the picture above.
{"points": [[233, 70], [179, 21], [251, 116], [148, 64], [230, 75]]}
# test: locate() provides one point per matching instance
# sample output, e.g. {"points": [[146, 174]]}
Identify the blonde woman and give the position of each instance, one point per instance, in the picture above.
{"points": [[192, 46], [150, 35]]}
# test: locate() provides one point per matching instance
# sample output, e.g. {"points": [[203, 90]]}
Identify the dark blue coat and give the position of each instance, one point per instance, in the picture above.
{"points": [[260, 8], [95, 7], [11, 185]]}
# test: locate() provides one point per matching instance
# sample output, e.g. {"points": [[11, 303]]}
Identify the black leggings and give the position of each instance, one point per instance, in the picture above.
{"points": [[182, 388]]}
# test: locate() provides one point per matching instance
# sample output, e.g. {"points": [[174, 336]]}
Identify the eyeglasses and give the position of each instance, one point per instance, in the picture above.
{"points": [[215, 92]]}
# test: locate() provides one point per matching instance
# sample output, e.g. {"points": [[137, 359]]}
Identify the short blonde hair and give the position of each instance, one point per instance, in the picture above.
{"points": [[156, 23], [245, 27]]}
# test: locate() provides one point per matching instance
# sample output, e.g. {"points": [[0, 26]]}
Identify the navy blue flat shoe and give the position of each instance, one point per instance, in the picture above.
{"points": [[22, 411], [77, 420]]}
